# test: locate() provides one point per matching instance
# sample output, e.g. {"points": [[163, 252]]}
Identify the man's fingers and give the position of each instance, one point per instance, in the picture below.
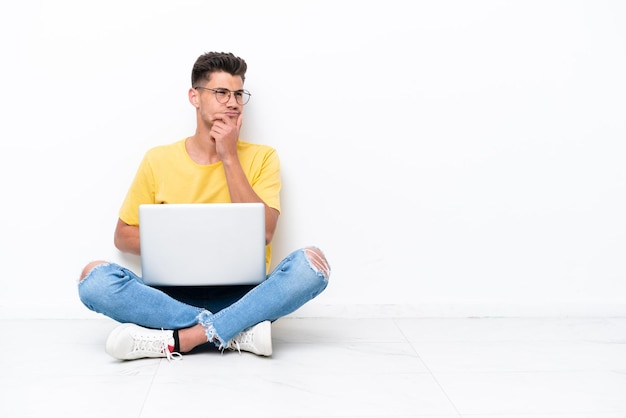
{"points": [[239, 120]]}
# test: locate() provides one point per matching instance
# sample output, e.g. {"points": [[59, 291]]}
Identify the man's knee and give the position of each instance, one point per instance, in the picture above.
{"points": [[318, 260], [90, 267]]}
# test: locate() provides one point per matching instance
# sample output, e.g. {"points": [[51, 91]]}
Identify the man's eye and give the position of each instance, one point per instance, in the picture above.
{"points": [[238, 93], [221, 92]]}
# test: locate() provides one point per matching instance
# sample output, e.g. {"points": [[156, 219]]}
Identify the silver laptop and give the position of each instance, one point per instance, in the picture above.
{"points": [[202, 244]]}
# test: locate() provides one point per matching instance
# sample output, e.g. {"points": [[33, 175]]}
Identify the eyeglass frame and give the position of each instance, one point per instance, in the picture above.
{"points": [[244, 93]]}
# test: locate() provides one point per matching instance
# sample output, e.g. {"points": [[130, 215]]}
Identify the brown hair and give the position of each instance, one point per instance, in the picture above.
{"points": [[211, 62]]}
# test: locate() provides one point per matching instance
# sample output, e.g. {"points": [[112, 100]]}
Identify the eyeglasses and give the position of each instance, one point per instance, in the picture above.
{"points": [[223, 95]]}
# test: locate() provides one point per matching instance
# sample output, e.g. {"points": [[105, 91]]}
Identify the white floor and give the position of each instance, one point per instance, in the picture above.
{"points": [[479, 368]]}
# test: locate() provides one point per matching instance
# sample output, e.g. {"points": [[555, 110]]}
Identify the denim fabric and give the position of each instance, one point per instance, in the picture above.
{"points": [[292, 283], [120, 294]]}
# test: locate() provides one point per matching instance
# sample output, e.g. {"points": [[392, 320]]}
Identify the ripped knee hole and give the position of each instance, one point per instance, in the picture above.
{"points": [[317, 260]]}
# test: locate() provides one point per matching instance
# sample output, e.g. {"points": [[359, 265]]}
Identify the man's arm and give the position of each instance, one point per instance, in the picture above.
{"points": [[126, 238], [241, 191], [225, 133]]}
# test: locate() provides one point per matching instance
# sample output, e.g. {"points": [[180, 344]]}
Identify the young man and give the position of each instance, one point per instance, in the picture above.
{"points": [[212, 166]]}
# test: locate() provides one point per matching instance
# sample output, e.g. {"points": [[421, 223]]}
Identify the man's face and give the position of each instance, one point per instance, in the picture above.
{"points": [[221, 87]]}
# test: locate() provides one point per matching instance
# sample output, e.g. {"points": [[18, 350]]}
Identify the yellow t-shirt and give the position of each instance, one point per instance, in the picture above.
{"points": [[168, 175]]}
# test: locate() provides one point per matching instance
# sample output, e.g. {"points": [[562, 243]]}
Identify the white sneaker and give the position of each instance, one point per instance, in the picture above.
{"points": [[131, 342], [256, 339]]}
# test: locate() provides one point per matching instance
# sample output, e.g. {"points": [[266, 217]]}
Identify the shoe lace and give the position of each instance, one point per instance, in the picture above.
{"points": [[243, 338], [172, 355], [156, 344], [234, 346]]}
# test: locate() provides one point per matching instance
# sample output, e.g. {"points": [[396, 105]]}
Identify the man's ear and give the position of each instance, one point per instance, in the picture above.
{"points": [[194, 99]]}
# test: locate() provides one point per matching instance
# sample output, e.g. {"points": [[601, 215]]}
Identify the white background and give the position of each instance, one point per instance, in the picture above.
{"points": [[451, 157]]}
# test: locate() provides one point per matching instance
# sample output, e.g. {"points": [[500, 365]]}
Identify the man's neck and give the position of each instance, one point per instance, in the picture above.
{"points": [[201, 149]]}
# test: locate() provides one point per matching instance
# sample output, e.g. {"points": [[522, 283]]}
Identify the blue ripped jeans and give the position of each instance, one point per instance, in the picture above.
{"points": [[120, 294]]}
